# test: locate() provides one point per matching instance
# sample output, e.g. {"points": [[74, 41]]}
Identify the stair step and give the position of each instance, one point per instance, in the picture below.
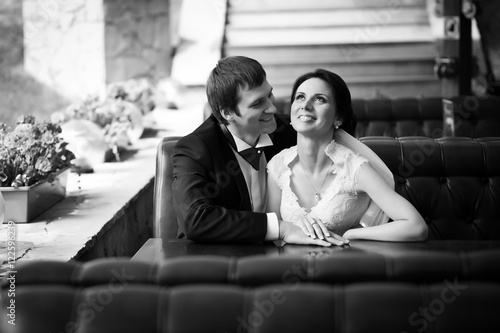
{"points": [[325, 18], [378, 46], [279, 5], [368, 69], [329, 35], [335, 53]]}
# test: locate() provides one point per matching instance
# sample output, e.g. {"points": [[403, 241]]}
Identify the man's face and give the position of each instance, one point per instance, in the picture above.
{"points": [[254, 113]]}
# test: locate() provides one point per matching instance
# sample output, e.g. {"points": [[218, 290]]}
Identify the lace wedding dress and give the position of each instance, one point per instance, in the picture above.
{"points": [[340, 207]]}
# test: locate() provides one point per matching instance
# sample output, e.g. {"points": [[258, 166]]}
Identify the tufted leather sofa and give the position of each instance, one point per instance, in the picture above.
{"points": [[250, 271], [453, 182], [438, 292], [164, 216]]}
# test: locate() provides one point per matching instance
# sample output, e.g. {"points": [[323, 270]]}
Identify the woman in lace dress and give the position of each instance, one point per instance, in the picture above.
{"points": [[336, 186]]}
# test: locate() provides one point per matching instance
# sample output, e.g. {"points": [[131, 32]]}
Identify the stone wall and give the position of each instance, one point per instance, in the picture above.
{"points": [[11, 30], [137, 39], [124, 235], [76, 47], [64, 45]]}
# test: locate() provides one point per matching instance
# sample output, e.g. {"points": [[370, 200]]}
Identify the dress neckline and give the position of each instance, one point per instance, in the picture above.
{"points": [[330, 152]]}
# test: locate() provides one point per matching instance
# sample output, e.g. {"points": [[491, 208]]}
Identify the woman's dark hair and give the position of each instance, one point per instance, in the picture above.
{"points": [[229, 75], [341, 94]]}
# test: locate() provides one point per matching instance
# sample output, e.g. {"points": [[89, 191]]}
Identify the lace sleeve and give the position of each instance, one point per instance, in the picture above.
{"points": [[273, 169], [356, 162], [278, 168]]}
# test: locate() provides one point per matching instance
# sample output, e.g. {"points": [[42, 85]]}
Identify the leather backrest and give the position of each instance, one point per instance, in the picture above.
{"points": [[460, 292], [399, 117], [164, 217], [340, 268], [454, 182], [477, 117], [446, 306]]}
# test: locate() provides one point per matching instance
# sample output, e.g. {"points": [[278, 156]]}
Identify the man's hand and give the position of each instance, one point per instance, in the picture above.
{"points": [[292, 234]]}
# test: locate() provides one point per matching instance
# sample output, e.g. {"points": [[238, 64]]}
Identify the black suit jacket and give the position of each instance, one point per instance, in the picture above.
{"points": [[210, 195]]}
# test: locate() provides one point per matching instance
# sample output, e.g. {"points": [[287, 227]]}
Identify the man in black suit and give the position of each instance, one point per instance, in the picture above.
{"points": [[219, 170]]}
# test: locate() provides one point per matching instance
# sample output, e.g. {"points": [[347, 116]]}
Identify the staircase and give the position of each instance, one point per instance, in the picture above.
{"points": [[382, 48]]}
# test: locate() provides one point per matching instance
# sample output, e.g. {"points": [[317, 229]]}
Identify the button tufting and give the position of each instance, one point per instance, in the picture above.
{"points": [[442, 180], [469, 219], [402, 180], [485, 180]]}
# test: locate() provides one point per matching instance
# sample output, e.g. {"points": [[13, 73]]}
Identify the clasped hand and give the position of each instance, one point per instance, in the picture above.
{"points": [[309, 231]]}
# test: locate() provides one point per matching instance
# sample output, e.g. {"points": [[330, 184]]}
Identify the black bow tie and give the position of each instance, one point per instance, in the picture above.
{"points": [[251, 155]]}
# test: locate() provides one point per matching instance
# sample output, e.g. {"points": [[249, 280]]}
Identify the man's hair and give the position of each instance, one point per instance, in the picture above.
{"points": [[227, 78], [341, 94]]}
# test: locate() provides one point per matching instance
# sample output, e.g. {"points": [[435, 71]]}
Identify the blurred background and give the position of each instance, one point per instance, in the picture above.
{"points": [[55, 52]]}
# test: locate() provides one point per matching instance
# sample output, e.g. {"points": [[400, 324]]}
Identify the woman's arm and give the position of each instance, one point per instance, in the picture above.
{"points": [[407, 225]]}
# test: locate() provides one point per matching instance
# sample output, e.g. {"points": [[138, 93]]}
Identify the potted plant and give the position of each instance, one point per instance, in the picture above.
{"points": [[119, 121], [34, 164], [137, 91]]}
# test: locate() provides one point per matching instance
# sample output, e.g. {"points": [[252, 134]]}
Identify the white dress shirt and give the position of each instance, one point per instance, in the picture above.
{"points": [[256, 181]]}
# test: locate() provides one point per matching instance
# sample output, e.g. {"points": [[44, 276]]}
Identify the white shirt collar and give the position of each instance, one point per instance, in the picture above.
{"points": [[264, 141]]}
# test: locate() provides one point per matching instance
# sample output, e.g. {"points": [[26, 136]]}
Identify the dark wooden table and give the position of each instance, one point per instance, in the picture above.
{"points": [[156, 249]]}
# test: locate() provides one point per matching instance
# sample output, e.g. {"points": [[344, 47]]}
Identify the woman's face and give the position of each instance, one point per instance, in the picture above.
{"points": [[313, 109]]}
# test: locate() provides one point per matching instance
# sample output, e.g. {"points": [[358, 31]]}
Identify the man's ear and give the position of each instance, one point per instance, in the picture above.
{"points": [[226, 114]]}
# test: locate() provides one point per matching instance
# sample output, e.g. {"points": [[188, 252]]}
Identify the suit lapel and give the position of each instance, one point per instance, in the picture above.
{"points": [[229, 159], [284, 137]]}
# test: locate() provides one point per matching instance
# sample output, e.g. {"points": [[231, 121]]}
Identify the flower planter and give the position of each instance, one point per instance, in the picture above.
{"points": [[24, 203]]}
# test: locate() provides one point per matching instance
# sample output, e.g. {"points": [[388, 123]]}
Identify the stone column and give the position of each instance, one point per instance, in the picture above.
{"points": [[76, 47], [137, 39], [201, 32], [64, 45]]}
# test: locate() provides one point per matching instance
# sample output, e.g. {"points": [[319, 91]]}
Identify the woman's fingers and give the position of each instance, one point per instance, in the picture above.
{"points": [[336, 239], [305, 225], [320, 229], [316, 229], [321, 242], [304, 228]]}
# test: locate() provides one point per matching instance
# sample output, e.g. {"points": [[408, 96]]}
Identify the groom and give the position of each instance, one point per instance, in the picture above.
{"points": [[219, 170]]}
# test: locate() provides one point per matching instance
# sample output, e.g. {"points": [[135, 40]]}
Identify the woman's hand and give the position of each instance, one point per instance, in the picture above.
{"points": [[313, 227], [291, 233]]}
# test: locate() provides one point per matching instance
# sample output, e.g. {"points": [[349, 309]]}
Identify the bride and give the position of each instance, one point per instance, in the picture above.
{"points": [[336, 186]]}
